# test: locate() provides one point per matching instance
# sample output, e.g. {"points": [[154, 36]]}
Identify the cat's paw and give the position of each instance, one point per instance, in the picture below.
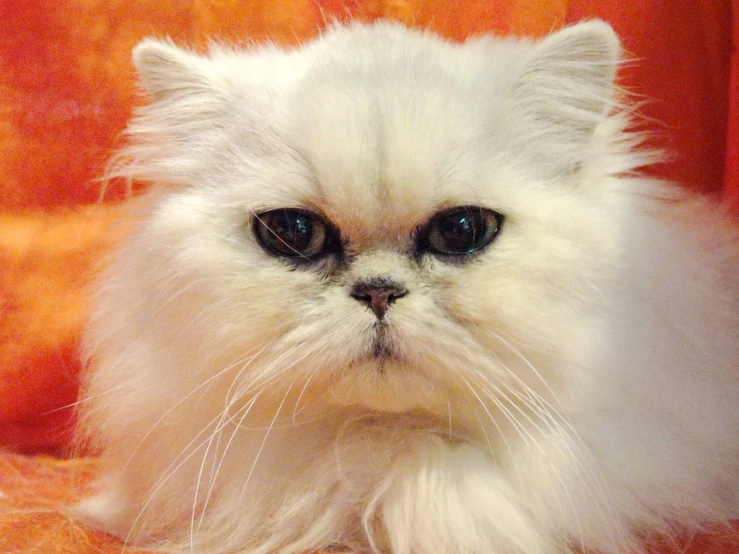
{"points": [[105, 511], [452, 499]]}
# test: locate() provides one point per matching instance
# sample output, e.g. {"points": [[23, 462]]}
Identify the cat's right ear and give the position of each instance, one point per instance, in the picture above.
{"points": [[168, 72], [168, 137]]}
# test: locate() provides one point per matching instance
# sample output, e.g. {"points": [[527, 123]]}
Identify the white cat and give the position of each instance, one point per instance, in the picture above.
{"points": [[407, 296]]}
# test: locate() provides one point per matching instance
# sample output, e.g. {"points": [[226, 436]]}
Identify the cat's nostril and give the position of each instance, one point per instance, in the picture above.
{"points": [[378, 295]]}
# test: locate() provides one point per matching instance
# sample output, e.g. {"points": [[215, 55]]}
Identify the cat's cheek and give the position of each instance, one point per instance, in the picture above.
{"points": [[512, 304]]}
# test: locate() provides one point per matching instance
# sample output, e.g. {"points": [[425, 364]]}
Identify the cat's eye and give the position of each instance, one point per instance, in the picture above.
{"points": [[460, 231], [294, 233]]}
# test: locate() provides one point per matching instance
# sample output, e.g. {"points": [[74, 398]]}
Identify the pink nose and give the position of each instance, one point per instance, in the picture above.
{"points": [[378, 295]]}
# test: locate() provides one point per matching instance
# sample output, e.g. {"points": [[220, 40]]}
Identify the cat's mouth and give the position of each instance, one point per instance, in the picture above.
{"points": [[381, 355], [383, 348]]}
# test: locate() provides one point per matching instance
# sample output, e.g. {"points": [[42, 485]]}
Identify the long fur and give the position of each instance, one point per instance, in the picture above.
{"points": [[574, 385]]}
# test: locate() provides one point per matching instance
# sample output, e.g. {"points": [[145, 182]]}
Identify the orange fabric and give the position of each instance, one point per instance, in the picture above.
{"points": [[66, 91], [47, 260]]}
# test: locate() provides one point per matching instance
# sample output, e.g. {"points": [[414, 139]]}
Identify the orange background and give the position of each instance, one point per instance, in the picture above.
{"points": [[67, 88]]}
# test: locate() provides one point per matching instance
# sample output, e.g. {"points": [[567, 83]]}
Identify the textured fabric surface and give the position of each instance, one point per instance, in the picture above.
{"points": [[67, 88], [33, 494], [731, 190], [46, 261]]}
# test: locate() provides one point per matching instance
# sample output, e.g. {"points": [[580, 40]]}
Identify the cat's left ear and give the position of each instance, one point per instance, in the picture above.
{"points": [[567, 81]]}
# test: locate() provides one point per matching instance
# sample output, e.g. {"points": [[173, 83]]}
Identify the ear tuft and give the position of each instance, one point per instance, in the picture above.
{"points": [[169, 138], [584, 57], [588, 51], [567, 81], [168, 70]]}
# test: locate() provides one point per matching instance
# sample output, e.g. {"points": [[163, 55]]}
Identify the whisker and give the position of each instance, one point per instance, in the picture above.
{"points": [[550, 462], [449, 409], [302, 392], [583, 463], [86, 399], [179, 292], [167, 474], [487, 438], [492, 420], [530, 365], [264, 440], [544, 407], [214, 469], [230, 418], [226, 417], [205, 383], [522, 428], [174, 465]]}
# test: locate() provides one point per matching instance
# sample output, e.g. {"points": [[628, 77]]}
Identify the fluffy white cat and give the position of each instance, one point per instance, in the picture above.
{"points": [[407, 296]]}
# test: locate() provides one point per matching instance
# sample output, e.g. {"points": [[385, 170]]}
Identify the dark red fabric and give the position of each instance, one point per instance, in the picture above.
{"points": [[731, 189]]}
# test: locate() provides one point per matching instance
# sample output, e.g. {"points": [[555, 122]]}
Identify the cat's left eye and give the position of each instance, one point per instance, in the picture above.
{"points": [[294, 233], [460, 231]]}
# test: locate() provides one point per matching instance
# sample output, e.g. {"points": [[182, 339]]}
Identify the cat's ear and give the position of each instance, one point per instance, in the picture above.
{"points": [[168, 72], [169, 138], [567, 81]]}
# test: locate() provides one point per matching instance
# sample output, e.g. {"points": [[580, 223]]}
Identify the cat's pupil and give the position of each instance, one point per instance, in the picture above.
{"points": [[459, 231], [294, 229]]}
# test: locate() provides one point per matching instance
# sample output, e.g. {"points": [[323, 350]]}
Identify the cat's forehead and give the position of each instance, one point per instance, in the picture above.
{"points": [[384, 149], [379, 172], [379, 128]]}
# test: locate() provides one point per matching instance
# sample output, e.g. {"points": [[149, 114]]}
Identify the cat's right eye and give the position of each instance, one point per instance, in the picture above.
{"points": [[294, 233]]}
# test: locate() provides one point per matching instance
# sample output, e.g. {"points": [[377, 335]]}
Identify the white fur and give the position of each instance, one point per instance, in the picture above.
{"points": [[575, 384]]}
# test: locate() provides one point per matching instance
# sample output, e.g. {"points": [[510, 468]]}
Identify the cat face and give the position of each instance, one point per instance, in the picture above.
{"points": [[396, 233]]}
